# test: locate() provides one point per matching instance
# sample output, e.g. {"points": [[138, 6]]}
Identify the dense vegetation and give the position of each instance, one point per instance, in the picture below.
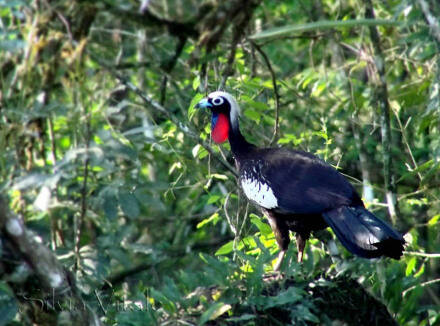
{"points": [[106, 165]]}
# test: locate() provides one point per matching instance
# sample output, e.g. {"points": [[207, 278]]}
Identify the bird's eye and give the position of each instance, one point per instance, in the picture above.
{"points": [[217, 101]]}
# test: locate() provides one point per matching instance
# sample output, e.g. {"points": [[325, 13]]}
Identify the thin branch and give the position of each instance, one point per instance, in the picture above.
{"points": [[228, 218], [421, 254], [80, 219], [431, 19], [239, 30], [405, 141], [117, 278], [147, 18], [169, 66], [158, 107], [275, 90], [304, 36], [367, 188], [422, 285], [53, 148], [381, 98], [228, 71]]}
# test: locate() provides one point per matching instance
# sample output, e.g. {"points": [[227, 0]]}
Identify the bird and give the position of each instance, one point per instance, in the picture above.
{"points": [[299, 192]]}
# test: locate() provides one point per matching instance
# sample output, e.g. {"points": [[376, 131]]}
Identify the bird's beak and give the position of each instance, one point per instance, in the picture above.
{"points": [[203, 104]]}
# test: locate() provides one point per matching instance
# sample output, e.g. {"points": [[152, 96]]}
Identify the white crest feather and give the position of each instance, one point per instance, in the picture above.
{"points": [[235, 108]]}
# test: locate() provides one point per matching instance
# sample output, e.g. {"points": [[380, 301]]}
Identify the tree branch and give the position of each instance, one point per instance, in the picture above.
{"points": [[275, 90], [239, 30], [147, 18], [55, 281], [430, 19], [158, 107]]}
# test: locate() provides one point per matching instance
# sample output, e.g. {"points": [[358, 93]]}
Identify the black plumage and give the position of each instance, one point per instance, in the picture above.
{"points": [[299, 192]]}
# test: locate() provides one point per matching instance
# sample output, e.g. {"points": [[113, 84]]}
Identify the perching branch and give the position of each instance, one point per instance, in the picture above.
{"points": [[380, 96]]}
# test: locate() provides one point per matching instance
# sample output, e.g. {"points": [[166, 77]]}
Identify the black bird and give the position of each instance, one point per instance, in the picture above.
{"points": [[297, 191]]}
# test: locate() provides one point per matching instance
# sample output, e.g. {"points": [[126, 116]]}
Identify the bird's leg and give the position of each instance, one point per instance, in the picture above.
{"points": [[281, 231], [280, 259], [300, 244]]}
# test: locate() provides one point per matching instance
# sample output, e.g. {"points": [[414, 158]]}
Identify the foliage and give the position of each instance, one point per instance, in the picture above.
{"points": [[107, 161]]}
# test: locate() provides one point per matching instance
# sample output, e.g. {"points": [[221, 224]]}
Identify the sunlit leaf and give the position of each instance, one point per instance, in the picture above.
{"points": [[214, 311]]}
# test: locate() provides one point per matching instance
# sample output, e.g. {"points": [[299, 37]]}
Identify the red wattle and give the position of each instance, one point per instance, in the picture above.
{"points": [[221, 129]]}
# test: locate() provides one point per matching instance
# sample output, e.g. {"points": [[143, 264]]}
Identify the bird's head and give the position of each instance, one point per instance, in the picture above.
{"points": [[225, 112]]}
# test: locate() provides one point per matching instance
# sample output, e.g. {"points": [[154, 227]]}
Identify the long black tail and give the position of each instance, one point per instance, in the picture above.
{"points": [[364, 234]]}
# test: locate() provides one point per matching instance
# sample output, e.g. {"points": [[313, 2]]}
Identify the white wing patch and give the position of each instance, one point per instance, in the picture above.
{"points": [[259, 192]]}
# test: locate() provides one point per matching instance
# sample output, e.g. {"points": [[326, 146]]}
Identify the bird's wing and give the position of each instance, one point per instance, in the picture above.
{"points": [[296, 182]]}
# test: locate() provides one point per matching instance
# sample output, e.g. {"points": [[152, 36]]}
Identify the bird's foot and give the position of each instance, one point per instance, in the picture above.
{"points": [[301, 245], [280, 259], [273, 276]]}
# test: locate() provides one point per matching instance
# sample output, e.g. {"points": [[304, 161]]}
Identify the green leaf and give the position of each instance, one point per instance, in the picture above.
{"points": [[214, 311], [110, 205], [225, 249], [213, 198], [196, 83], [410, 267], [264, 228], [129, 204], [212, 219], [244, 317], [433, 221], [253, 115], [219, 176], [8, 304], [322, 24], [257, 105], [191, 109], [166, 303], [289, 296]]}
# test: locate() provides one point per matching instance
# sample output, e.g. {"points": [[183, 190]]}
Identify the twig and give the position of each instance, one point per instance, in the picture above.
{"points": [[367, 189], [228, 218], [115, 279], [421, 254], [158, 107], [231, 58], [239, 30], [53, 149], [80, 219], [405, 141], [169, 66], [421, 285], [275, 90], [304, 36], [147, 18], [381, 97], [431, 19]]}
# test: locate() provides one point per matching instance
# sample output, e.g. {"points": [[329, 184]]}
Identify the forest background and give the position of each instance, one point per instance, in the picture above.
{"points": [[116, 206]]}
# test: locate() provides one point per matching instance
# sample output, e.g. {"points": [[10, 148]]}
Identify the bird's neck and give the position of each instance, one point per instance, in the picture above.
{"points": [[240, 147]]}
